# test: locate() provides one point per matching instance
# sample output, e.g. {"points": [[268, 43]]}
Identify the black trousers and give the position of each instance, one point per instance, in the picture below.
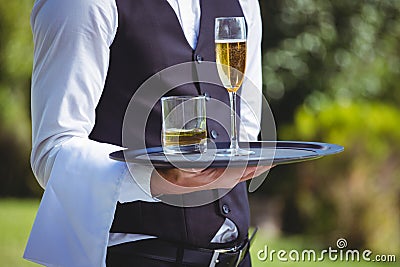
{"points": [[124, 256]]}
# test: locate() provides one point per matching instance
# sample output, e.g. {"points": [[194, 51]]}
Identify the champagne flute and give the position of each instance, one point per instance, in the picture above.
{"points": [[230, 48]]}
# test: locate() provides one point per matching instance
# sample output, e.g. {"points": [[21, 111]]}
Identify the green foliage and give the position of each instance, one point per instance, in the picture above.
{"points": [[16, 41], [331, 71], [16, 49], [354, 194], [343, 49]]}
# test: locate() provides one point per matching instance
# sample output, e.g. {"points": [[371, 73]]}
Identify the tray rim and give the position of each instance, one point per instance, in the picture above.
{"points": [[319, 148]]}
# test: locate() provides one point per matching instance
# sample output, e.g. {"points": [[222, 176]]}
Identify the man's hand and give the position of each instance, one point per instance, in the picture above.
{"points": [[180, 181]]}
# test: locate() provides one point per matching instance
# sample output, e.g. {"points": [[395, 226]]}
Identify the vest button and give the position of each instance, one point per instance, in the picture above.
{"points": [[207, 95], [225, 209], [214, 134], [199, 59]]}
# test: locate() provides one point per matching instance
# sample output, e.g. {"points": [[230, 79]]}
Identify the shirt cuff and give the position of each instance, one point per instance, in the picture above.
{"points": [[136, 184]]}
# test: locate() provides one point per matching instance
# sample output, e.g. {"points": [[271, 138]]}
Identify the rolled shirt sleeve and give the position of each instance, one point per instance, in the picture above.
{"points": [[82, 185], [71, 57]]}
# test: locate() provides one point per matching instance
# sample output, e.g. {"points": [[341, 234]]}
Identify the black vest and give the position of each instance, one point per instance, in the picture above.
{"points": [[150, 39]]}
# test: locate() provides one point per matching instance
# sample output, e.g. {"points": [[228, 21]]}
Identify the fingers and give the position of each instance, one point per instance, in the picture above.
{"points": [[261, 169], [254, 172], [190, 180], [193, 170]]}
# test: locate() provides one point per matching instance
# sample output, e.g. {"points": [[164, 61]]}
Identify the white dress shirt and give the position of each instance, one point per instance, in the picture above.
{"points": [[71, 56]]}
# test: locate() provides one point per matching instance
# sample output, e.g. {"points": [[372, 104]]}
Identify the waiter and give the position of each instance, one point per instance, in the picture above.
{"points": [[90, 58]]}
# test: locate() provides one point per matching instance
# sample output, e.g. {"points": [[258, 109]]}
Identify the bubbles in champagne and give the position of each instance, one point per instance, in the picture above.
{"points": [[231, 62]]}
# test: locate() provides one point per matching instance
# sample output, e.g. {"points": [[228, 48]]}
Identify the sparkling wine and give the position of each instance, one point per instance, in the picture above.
{"points": [[231, 62]]}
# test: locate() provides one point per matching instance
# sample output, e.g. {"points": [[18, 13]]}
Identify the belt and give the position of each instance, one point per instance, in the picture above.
{"points": [[160, 250]]}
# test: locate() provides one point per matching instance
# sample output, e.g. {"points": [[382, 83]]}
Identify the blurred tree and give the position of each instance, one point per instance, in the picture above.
{"points": [[315, 49], [331, 74], [15, 68], [355, 194]]}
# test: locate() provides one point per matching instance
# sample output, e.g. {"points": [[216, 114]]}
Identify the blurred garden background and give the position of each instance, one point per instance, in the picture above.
{"points": [[331, 74]]}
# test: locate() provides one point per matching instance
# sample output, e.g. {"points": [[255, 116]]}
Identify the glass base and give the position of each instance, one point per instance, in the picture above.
{"points": [[231, 152], [186, 149]]}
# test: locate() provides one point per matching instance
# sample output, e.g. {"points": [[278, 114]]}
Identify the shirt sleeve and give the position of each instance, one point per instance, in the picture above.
{"points": [[72, 39], [71, 57], [251, 91]]}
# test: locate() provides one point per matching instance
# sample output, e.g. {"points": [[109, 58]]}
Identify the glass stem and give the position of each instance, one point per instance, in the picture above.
{"points": [[234, 147]]}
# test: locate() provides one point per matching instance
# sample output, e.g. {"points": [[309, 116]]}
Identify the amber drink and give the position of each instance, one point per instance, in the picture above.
{"points": [[184, 124]]}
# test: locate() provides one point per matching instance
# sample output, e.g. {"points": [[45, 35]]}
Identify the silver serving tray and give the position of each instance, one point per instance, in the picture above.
{"points": [[265, 153]]}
